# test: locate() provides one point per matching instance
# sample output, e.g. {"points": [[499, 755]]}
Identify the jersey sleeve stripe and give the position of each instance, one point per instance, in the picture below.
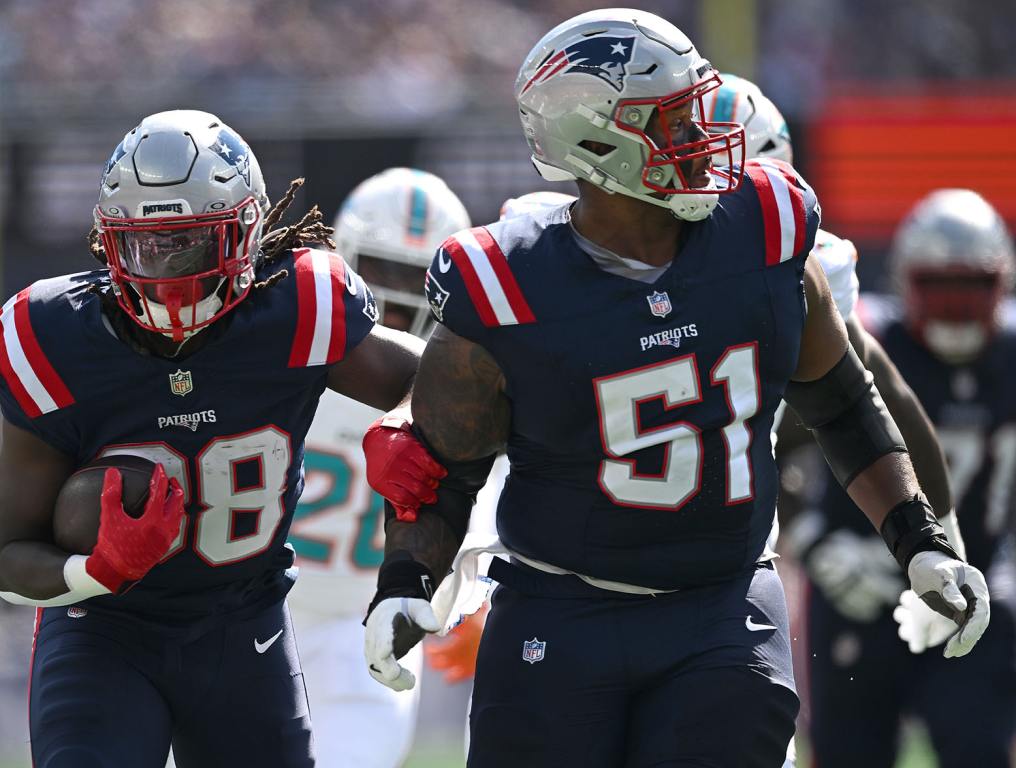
{"points": [[33, 381], [337, 278], [458, 253], [770, 212], [306, 309], [321, 311], [519, 306], [790, 203]]}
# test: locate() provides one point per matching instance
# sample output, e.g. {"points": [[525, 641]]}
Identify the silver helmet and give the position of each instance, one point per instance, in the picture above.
{"points": [[952, 261], [598, 97], [741, 101], [180, 212], [389, 228]]}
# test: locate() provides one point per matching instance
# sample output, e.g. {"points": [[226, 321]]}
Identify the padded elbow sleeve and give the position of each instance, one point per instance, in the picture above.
{"points": [[845, 412], [456, 492]]}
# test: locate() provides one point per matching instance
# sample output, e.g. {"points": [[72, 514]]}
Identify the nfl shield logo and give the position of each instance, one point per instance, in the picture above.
{"points": [[533, 650], [659, 303], [77, 612], [180, 383]]}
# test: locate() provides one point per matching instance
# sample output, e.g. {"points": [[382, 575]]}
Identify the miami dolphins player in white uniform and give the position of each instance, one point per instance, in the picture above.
{"points": [[389, 228]]}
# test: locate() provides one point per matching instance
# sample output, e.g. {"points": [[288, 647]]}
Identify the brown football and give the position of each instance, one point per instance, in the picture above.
{"points": [[76, 514]]}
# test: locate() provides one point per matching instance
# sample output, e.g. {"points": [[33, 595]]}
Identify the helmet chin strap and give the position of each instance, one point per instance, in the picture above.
{"points": [[167, 316]]}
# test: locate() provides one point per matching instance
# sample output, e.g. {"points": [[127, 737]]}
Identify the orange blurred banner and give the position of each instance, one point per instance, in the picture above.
{"points": [[873, 154]]}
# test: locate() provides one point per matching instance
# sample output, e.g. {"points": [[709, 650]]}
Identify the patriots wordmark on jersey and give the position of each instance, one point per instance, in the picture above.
{"points": [[641, 411]]}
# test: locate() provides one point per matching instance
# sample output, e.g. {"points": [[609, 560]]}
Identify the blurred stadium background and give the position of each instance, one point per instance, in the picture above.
{"points": [[885, 101]]}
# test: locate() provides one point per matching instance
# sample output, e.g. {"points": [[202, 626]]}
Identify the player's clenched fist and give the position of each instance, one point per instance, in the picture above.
{"points": [[399, 467], [130, 547]]}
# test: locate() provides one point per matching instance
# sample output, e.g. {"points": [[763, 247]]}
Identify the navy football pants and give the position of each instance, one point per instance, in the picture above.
{"points": [[680, 679], [862, 678], [108, 692]]}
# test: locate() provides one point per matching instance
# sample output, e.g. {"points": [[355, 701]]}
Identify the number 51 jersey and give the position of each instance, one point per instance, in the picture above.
{"points": [[641, 411], [228, 421]]}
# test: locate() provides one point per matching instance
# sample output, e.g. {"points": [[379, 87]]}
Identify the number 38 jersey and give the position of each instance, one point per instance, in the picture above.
{"points": [[228, 421], [639, 447]]}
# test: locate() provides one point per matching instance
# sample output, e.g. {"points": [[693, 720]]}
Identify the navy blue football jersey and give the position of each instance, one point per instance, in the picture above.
{"points": [[228, 421], [974, 413], [639, 446]]}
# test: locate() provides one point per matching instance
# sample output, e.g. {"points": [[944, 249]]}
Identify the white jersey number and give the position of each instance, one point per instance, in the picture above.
{"points": [[676, 383], [228, 491]]}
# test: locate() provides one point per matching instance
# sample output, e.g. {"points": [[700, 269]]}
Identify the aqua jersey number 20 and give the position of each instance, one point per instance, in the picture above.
{"points": [[337, 473]]}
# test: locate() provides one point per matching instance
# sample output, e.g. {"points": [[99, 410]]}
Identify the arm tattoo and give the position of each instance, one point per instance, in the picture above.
{"points": [[458, 400]]}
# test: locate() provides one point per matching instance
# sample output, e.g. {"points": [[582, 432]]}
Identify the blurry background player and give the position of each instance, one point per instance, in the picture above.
{"points": [[387, 229], [177, 628], [952, 264], [767, 136]]}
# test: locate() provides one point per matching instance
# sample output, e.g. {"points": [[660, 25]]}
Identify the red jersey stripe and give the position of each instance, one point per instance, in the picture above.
{"points": [[45, 372], [770, 212], [337, 339], [510, 286], [306, 301], [476, 292], [24, 399]]}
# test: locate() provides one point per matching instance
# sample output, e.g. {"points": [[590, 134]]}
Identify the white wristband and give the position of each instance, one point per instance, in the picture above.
{"points": [[81, 587], [951, 525]]}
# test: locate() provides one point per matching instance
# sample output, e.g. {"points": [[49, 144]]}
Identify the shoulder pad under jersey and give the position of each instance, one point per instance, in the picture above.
{"points": [[471, 287], [335, 308], [838, 258], [790, 210]]}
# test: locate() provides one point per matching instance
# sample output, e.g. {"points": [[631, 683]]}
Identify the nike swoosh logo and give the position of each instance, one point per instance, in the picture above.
{"points": [[443, 262], [262, 647], [753, 627]]}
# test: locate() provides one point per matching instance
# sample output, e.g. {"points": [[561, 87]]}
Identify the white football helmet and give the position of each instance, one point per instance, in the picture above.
{"points": [[388, 229], [741, 101], [180, 212], [952, 261], [596, 89]]}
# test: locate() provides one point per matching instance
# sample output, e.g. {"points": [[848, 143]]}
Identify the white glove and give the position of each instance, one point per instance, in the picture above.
{"points": [[395, 623], [856, 574], [921, 627], [954, 589]]}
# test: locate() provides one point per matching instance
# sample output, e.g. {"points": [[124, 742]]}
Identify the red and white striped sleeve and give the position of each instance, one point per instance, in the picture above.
{"points": [[335, 309], [28, 373], [790, 210], [470, 285]]}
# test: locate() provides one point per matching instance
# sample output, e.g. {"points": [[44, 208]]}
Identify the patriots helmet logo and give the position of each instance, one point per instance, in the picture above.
{"points": [[234, 150], [604, 57]]}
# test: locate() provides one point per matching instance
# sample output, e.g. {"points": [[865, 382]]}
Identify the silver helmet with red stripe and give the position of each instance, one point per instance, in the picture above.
{"points": [[952, 261], [180, 212], [388, 229], [614, 97]]}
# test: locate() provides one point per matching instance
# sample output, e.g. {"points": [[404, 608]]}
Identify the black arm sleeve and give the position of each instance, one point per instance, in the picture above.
{"points": [[847, 416]]}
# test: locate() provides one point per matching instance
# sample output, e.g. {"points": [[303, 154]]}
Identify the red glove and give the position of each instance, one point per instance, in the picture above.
{"points": [[399, 467], [128, 547], [456, 653]]}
